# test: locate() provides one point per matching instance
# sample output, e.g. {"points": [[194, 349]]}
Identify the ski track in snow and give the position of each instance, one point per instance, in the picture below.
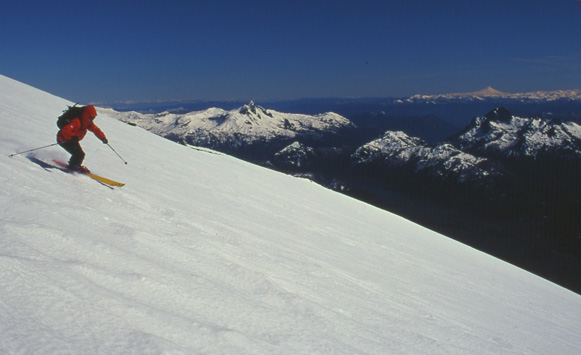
{"points": [[203, 253]]}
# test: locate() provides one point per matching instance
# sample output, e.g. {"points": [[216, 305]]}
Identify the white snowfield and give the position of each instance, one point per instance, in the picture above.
{"points": [[201, 253]]}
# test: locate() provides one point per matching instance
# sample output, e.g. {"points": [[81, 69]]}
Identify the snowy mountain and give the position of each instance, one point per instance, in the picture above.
{"points": [[466, 157], [235, 130], [295, 155], [490, 93], [397, 150], [501, 134], [204, 253]]}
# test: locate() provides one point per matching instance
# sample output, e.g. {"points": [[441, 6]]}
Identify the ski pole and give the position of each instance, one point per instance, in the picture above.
{"points": [[32, 150], [117, 153]]}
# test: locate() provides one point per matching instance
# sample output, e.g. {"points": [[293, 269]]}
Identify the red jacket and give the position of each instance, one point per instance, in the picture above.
{"points": [[79, 126]]}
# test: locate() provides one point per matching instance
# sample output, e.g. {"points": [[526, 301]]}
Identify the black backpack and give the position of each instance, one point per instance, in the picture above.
{"points": [[70, 113]]}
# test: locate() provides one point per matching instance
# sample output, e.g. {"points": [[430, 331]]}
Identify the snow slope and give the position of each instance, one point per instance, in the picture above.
{"points": [[203, 253]]}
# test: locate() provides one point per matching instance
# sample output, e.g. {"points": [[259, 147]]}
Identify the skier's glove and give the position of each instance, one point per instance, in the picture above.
{"points": [[104, 140]]}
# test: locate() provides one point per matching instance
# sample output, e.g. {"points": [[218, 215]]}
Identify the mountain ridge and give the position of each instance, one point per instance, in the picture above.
{"points": [[249, 127], [499, 133], [492, 94], [442, 161]]}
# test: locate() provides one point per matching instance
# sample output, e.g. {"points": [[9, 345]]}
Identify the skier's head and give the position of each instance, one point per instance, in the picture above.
{"points": [[90, 111], [89, 114]]}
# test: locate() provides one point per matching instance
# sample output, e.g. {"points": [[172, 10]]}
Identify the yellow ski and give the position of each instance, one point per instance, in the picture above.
{"points": [[98, 178], [105, 180]]}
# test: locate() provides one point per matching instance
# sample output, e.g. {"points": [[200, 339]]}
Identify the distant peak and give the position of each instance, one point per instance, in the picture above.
{"points": [[486, 92], [490, 91], [493, 94]]}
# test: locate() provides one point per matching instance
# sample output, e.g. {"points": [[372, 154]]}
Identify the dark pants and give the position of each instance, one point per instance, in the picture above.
{"points": [[77, 154]]}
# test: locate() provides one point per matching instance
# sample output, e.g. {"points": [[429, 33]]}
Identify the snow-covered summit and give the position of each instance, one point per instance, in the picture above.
{"points": [[246, 125], [499, 133], [397, 149], [386, 145], [204, 253], [251, 107]]}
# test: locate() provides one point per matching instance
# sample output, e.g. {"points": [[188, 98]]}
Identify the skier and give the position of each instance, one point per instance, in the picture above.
{"points": [[69, 136]]}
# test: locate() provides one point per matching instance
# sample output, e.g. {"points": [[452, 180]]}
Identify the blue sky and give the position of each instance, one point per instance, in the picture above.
{"points": [[106, 51]]}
